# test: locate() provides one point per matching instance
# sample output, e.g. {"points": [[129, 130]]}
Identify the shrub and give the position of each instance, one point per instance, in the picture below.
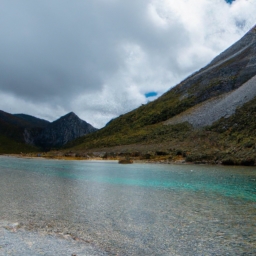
{"points": [[161, 153], [248, 162], [228, 161]]}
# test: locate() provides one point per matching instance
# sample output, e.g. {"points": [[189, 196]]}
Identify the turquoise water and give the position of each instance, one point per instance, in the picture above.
{"points": [[137, 209], [239, 182]]}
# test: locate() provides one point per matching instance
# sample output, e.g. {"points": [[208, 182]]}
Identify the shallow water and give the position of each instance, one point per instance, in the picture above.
{"points": [[137, 209]]}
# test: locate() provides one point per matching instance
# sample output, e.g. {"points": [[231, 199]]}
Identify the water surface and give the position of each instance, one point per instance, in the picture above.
{"points": [[137, 209]]}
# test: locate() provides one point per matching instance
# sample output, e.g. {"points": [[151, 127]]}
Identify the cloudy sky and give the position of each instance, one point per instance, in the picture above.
{"points": [[103, 58]]}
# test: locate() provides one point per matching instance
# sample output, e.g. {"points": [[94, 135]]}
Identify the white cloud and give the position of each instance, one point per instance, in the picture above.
{"points": [[15, 105]]}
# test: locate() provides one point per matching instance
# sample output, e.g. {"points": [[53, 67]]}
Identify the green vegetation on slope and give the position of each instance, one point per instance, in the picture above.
{"points": [[230, 141], [11, 135], [13, 132], [237, 134], [10, 146], [147, 135]]}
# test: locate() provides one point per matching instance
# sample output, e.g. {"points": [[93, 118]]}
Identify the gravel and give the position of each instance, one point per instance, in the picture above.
{"points": [[17, 241]]}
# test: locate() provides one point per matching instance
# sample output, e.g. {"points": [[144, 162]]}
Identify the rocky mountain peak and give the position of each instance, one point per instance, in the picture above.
{"points": [[63, 130], [70, 115]]}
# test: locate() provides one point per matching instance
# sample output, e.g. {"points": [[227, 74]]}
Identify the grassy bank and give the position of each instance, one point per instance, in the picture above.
{"points": [[229, 141]]}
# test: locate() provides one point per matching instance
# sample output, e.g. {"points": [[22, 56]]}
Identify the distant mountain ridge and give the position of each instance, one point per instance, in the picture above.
{"points": [[34, 121], [14, 120], [40, 133]]}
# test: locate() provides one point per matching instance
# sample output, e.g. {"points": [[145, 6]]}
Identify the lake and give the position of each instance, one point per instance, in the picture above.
{"points": [[137, 209]]}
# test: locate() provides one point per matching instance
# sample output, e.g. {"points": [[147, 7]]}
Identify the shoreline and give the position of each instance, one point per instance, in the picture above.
{"points": [[136, 160], [102, 159]]}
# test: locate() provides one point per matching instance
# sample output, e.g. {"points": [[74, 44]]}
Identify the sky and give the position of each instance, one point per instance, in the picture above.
{"points": [[104, 58]]}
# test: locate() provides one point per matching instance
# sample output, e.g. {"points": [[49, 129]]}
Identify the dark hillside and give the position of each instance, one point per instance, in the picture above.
{"points": [[12, 126], [13, 120], [12, 134], [33, 121], [11, 146]]}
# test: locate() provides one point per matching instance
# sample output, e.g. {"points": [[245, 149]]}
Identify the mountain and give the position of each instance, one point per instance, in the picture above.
{"points": [[33, 134], [13, 126], [13, 120], [63, 130], [12, 134], [228, 81], [190, 117], [33, 121]]}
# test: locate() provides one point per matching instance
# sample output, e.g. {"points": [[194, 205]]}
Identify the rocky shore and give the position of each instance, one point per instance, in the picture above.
{"points": [[16, 241]]}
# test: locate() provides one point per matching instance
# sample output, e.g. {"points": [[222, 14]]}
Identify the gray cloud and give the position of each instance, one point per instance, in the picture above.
{"points": [[55, 49], [98, 58], [60, 48]]}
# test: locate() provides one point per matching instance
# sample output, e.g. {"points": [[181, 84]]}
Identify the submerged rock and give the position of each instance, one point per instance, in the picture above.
{"points": [[125, 161]]}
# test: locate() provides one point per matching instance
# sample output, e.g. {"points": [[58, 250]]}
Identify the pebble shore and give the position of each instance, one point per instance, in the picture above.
{"points": [[15, 241]]}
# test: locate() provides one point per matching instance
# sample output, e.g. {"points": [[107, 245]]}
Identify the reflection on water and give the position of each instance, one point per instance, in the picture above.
{"points": [[137, 209]]}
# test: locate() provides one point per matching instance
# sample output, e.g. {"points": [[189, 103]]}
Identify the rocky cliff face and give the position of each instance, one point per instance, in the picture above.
{"points": [[227, 83], [226, 72], [225, 105], [63, 130]]}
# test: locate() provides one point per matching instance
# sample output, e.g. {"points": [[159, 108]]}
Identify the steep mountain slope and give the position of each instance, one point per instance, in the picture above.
{"points": [[212, 110], [12, 146], [11, 134], [13, 120], [33, 121], [12, 126], [63, 130], [227, 72], [214, 92]]}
